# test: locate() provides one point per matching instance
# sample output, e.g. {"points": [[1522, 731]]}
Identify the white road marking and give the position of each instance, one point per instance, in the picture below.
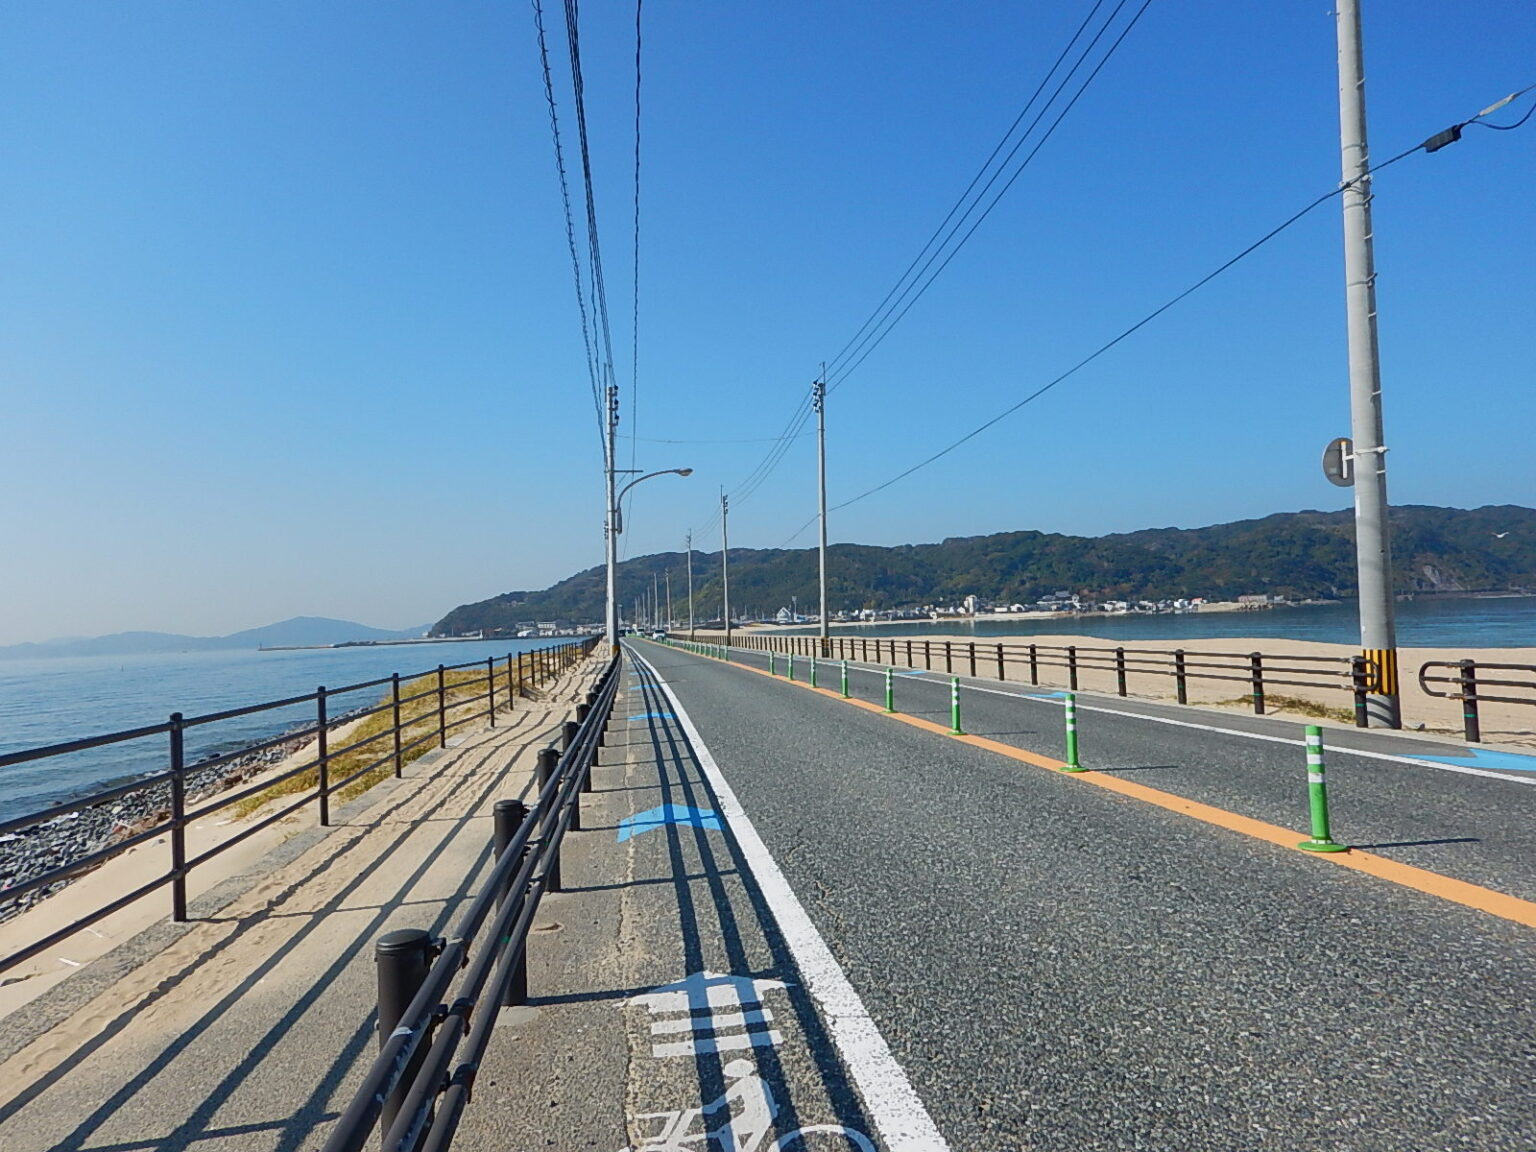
{"points": [[898, 1114]]}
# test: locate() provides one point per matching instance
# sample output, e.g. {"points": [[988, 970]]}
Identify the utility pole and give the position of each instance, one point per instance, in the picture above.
{"points": [[690, 586], [819, 395], [668, 624], [725, 565], [611, 525], [1373, 543], [655, 601]]}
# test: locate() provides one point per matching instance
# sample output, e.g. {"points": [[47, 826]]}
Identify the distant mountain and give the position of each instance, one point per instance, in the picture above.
{"points": [[1301, 555], [299, 631]]}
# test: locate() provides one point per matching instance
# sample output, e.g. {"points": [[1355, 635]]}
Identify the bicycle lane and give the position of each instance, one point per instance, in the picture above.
{"points": [[669, 1009], [1059, 966]]}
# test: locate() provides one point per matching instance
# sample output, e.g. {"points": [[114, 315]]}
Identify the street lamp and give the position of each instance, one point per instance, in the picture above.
{"points": [[616, 526]]}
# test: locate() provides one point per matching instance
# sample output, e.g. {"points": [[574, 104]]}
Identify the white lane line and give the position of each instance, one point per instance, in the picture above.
{"points": [[897, 1113], [1336, 749]]}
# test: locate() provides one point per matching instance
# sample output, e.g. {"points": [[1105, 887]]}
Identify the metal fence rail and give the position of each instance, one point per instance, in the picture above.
{"points": [[1258, 672], [431, 1045], [1471, 681], [390, 745]]}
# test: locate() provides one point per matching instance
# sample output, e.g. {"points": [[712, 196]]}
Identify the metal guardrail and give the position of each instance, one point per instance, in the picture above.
{"points": [[1257, 671], [531, 668], [430, 1047], [1471, 680]]}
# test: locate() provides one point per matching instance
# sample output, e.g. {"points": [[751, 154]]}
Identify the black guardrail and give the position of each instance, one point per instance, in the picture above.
{"points": [[454, 692], [1256, 671], [1471, 680], [430, 1045]]}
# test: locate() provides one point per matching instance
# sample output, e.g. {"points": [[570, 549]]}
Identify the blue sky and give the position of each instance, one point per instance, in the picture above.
{"points": [[287, 323]]}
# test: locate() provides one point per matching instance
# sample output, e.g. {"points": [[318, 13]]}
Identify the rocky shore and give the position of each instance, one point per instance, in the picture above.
{"points": [[54, 843]]}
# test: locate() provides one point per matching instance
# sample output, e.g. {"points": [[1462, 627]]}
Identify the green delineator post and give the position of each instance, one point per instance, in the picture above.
{"points": [[1070, 710], [1317, 791], [772, 669], [813, 671], [791, 665], [890, 691], [954, 706], [845, 678]]}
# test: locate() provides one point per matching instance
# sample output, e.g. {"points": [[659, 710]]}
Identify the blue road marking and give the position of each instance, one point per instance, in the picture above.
{"points": [[1483, 758], [654, 716], [914, 672], [1048, 696], [653, 818]]}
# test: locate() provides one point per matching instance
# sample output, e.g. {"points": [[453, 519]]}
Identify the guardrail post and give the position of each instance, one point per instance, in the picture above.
{"points": [[1473, 728], [1317, 795], [927, 655], [1120, 670], [1359, 676], [1180, 685], [394, 695], [490, 687], [1001, 672], [511, 686], [949, 663], [323, 762], [178, 820], [909, 655], [1256, 668], [1069, 714], [544, 767], [1034, 665], [954, 707], [973, 658], [568, 732], [442, 709], [1072, 667], [404, 957], [890, 690], [845, 679]]}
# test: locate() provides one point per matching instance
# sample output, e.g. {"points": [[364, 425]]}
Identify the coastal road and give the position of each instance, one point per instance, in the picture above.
{"points": [[1057, 965]]}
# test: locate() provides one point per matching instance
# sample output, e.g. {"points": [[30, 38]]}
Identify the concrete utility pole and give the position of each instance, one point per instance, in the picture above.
{"points": [[725, 566], [655, 601], [1373, 543], [611, 527], [690, 585], [669, 600], [819, 393]]}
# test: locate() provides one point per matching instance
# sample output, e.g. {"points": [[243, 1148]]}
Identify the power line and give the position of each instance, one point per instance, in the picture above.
{"points": [[916, 295], [837, 360], [878, 325], [1429, 145], [570, 226]]}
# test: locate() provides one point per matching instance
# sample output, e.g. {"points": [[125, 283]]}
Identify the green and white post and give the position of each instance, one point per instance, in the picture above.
{"points": [[890, 691], [1070, 710], [813, 670], [1317, 791], [954, 707], [791, 665], [772, 660], [845, 679]]}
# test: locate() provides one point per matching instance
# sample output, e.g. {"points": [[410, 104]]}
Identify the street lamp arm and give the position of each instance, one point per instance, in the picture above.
{"points": [[647, 476]]}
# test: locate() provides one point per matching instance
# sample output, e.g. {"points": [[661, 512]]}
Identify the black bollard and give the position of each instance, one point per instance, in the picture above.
{"points": [[509, 817], [568, 735], [404, 958]]}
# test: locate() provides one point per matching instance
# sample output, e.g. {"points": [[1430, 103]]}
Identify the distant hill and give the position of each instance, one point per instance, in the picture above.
{"points": [[1302, 555], [299, 631]]}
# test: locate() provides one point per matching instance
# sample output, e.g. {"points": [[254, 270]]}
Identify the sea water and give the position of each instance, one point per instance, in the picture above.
{"points": [[53, 700]]}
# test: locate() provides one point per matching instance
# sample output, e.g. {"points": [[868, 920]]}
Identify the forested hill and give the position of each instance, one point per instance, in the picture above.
{"points": [[1295, 554]]}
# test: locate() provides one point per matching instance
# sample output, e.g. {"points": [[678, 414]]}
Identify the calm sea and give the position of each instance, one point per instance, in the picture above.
{"points": [[1435, 622], [49, 701]]}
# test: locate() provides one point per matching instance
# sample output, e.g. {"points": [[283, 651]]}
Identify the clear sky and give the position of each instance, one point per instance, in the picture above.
{"points": [[287, 320]]}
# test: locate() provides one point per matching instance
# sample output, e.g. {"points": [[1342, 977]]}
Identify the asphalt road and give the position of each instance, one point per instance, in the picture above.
{"points": [[1056, 966]]}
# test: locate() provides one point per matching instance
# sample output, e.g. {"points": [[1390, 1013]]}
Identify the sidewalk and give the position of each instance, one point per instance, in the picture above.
{"points": [[250, 1028], [664, 1003]]}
